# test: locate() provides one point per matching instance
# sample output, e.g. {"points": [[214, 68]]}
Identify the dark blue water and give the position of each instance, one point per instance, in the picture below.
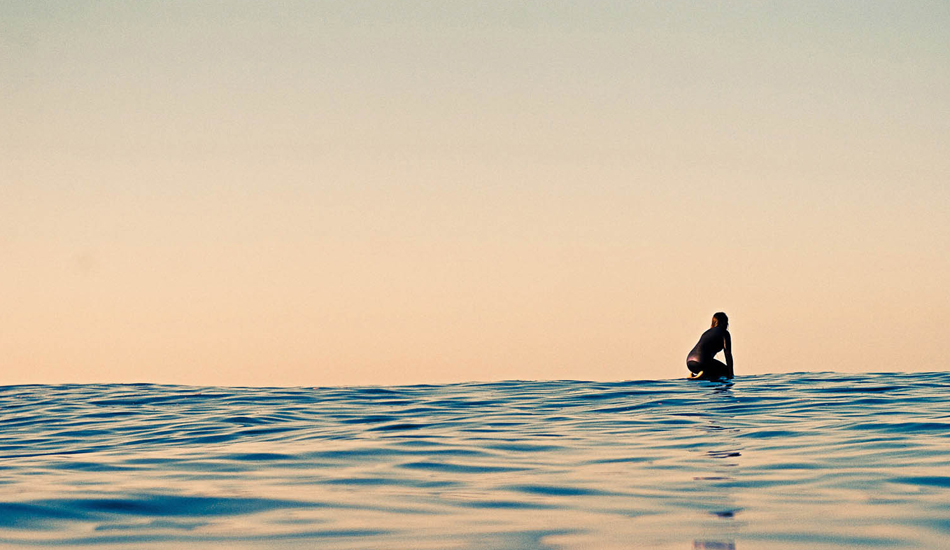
{"points": [[778, 461]]}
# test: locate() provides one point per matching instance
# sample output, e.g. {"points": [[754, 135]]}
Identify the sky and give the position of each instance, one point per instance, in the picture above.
{"points": [[372, 193]]}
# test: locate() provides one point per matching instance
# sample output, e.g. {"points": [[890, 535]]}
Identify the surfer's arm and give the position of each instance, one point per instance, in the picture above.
{"points": [[727, 350]]}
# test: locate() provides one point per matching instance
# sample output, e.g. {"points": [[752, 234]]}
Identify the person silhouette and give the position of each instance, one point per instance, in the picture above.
{"points": [[701, 360]]}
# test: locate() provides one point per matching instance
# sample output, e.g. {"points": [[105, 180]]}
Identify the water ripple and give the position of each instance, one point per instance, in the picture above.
{"points": [[804, 460]]}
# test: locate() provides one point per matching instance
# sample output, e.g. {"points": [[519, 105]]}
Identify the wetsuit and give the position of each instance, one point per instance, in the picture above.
{"points": [[701, 358]]}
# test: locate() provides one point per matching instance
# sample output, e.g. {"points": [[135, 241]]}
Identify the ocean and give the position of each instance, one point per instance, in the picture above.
{"points": [[790, 461]]}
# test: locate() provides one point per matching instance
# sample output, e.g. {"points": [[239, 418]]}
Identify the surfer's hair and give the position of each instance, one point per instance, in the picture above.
{"points": [[720, 320]]}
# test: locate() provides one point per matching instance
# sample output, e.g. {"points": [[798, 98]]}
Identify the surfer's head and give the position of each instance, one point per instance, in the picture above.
{"points": [[720, 320]]}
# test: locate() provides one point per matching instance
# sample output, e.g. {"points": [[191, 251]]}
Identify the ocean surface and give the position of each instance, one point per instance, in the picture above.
{"points": [[791, 461]]}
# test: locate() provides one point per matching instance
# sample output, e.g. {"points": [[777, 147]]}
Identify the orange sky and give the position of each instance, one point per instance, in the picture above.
{"points": [[382, 193]]}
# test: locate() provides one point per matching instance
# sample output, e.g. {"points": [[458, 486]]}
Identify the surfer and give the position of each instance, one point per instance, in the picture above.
{"points": [[701, 362]]}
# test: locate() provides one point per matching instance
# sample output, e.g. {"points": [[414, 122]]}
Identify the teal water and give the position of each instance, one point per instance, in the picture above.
{"points": [[791, 461]]}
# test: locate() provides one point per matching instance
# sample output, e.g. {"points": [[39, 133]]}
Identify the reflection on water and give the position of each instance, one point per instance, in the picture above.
{"points": [[721, 446], [806, 461]]}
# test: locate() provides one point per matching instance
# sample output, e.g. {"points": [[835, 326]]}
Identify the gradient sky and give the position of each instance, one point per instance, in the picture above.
{"points": [[326, 193]]}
